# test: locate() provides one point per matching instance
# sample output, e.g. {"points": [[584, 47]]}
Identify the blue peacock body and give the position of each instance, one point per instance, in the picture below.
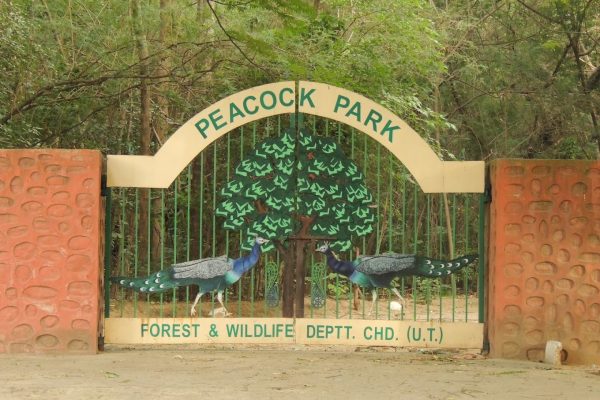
{"points": [[209, 274], [378, 271]]}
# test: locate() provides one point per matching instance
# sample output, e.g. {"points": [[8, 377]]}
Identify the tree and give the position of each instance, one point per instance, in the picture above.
{"points": [[520, 79], [295, 189]]}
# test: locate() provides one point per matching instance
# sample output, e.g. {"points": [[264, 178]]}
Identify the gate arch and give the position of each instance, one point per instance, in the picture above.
{"points": [[368, 117]]}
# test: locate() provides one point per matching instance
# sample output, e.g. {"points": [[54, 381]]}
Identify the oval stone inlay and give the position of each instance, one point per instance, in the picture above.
{"points": [[79, 242], [40, 292]]}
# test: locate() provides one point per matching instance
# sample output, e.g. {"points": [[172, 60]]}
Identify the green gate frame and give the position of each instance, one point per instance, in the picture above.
{"points": [[311, 98]]}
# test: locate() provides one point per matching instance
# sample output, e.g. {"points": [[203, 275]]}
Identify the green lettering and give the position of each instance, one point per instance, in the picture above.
{"points": [[328, 331], [341, 102], [245, 105], [154, 330], [289, 330], [196, 327], [305, 96], [431, 331], [389, 333], [234, 111], [215, 117], [273, 100], [176, 328], [232, 330], [258, 330], [310, 331], [354, 110], [186, 330], [202, 125], [389, 130], [144, 328], [371, 117], [348, 327], [166, 330], [378, 333], [282, 100], [320, 331]]}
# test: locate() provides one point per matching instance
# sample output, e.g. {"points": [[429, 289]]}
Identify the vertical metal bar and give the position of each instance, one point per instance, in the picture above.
{"points": [[175, 214], [453, 277], [148, 249], [252, 272], [365, 170], [441, 249], [188, 229], [122, 245], [481, 269], [415, 247], [107, 248], [162, 244], [312, 282], [214, 217], [428, 244], [403, 235], [364, 239], [467, 222], [239, 283], [390, 229], [378, 196], [265, 311], [136, 248], [337, 294], [201, 209], [378, 223], [201, 221], [390, 217], [351, 305], [228, 172]]}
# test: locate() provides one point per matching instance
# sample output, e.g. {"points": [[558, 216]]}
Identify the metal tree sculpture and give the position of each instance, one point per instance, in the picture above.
{"points": [[295, 189]]}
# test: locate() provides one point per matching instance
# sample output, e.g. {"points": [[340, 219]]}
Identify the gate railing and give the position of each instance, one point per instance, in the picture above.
{"points": [[149, 229]]}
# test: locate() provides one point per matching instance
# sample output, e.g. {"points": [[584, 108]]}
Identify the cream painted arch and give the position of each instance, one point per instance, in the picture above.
{"points": [[160, 170]]}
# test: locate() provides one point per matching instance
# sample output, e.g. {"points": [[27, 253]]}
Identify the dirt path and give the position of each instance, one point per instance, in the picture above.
{"points": [[290, 373]]}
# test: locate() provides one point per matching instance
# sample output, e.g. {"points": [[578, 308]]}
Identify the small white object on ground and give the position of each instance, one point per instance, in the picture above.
{"points": [[219, 312], [553, 352]]}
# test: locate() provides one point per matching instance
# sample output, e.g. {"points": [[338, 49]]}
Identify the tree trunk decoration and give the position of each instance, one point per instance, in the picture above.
{"points": [[296, 189]]}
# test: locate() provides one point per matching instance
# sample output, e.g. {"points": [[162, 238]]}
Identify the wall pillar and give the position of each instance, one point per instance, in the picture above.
{"points": [[49, 250], [544, 275]]}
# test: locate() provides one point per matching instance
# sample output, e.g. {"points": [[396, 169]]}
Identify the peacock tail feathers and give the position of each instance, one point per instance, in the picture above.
{"points": [[384, 263], [156, 283], [318, 294], [204, 268], [429, 267], [272, 284]]}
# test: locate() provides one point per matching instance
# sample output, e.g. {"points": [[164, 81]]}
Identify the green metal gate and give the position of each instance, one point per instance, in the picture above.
{"points": [[180, 224]]}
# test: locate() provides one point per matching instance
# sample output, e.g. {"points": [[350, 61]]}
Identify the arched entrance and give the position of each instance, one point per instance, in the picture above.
{"points": [[295, 98]]}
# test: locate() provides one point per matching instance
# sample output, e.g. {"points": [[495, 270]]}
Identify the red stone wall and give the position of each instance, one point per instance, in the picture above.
{"points": [[544, 279], [49, 250]]}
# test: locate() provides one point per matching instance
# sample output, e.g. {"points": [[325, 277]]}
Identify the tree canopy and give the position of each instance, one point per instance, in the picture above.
{"points": [[298, 184]]}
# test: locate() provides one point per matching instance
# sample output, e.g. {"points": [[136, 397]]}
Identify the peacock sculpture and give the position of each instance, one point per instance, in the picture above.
{"points": [[209, 274], [378, 271]]}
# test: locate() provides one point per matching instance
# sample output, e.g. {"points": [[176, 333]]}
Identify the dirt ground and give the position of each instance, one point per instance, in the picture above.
{"points": [[194, 372], [465, 309]]}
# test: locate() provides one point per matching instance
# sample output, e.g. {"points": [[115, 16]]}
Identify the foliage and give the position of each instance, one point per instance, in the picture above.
{"points": [[337, 286], [298, 184]]}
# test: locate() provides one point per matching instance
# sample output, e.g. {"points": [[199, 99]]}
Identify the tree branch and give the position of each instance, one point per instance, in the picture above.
{"points": [[242, 52], [538, 13], [593, 81]]}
